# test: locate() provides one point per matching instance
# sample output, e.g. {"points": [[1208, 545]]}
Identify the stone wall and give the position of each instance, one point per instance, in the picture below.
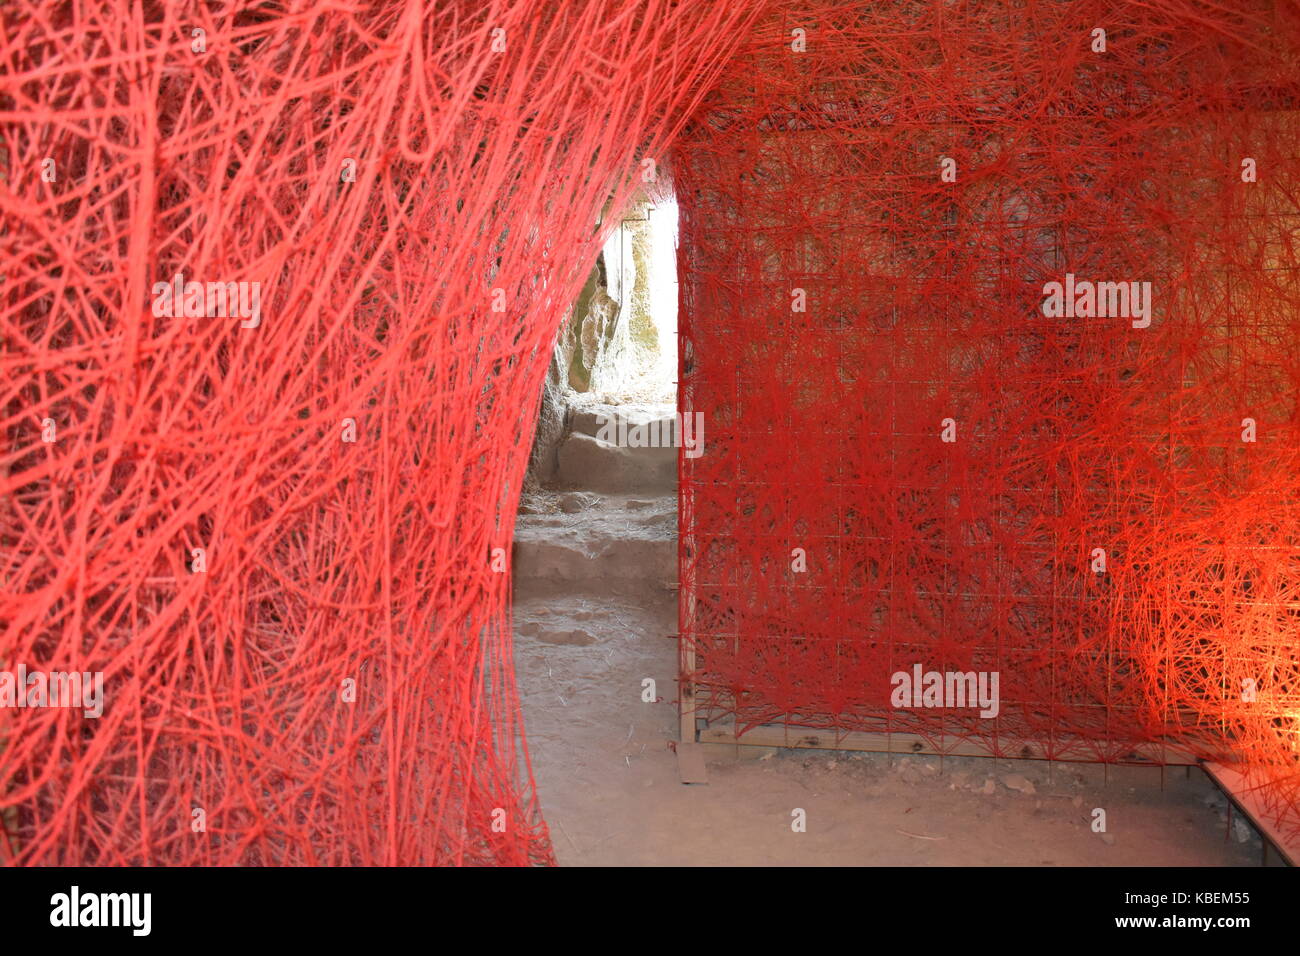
{"points": [[607, 339]]}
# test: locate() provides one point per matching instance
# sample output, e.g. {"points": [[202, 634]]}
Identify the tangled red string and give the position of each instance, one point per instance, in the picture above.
{"points": [[873, 204], [304, 638], [274, 520]]}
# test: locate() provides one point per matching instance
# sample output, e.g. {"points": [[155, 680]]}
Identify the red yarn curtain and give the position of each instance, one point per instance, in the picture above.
{"points": [[919, 457]]}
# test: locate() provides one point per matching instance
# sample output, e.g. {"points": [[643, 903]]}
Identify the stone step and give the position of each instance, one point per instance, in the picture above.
{"points": [[598, 540], [587, 462], [591, 418]]}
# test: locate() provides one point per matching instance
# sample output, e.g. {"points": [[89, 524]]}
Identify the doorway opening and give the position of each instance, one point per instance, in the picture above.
{"points": [[595, 547]]}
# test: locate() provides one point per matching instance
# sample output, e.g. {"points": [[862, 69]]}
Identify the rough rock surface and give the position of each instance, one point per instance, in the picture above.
{"points": [[602, 545], [606, 344], [591, 463]]}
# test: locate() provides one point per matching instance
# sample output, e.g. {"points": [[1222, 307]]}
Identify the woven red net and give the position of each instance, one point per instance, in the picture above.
{"points": [[865, 332], [273, 526]]}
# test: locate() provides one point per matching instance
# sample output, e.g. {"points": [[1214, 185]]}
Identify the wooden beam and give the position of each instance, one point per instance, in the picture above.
{"points": [[1009, 748], [686, 693]]}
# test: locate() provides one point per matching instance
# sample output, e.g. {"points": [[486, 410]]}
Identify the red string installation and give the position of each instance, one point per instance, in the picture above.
{"points": [[280, 285], [936, 444]]}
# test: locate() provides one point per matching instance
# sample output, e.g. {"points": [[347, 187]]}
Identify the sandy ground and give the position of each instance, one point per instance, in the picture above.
{"points": [[609, 786]]}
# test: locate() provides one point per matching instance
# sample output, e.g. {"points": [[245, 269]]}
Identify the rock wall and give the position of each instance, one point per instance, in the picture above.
{"points": [[607, 339]]}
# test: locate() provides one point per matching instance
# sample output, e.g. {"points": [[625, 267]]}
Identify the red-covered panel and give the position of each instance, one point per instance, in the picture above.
{"points": [[913, 457]]}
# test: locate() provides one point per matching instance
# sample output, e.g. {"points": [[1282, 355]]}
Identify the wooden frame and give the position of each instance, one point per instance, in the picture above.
{"points": [[1008, 748]]}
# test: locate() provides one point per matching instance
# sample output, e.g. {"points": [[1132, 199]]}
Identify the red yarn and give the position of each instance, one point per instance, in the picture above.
{"points": [[417, 188], [822, 170]]}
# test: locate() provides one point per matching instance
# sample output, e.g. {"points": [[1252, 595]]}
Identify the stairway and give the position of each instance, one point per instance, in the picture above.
{"points": [[611, 522]]}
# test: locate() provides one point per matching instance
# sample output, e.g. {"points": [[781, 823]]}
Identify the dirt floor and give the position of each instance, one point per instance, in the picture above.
{"points": [[609, 784]]}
